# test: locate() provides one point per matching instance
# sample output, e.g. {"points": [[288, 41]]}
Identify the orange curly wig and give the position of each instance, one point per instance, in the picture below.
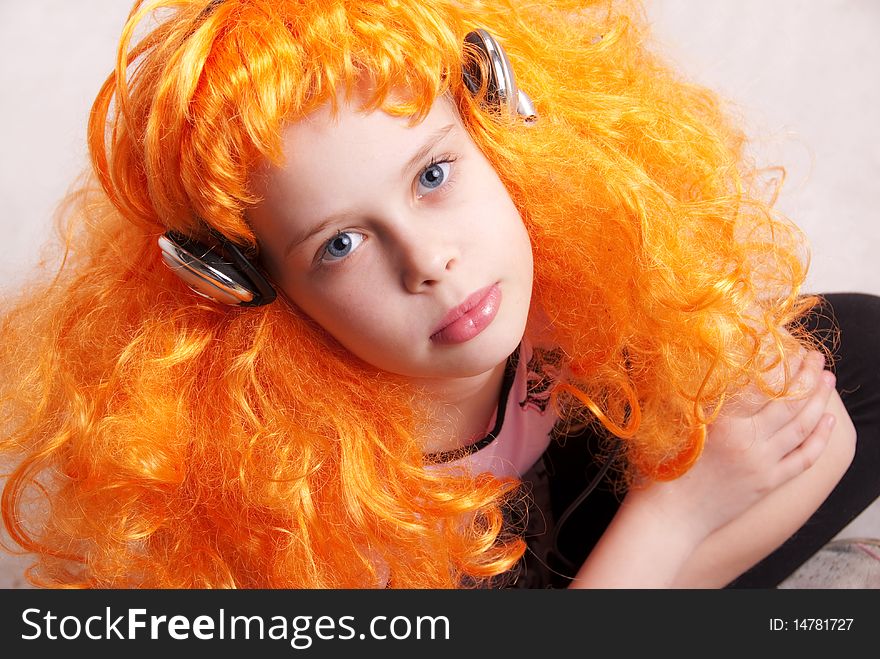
{"points": [[155, 439]]}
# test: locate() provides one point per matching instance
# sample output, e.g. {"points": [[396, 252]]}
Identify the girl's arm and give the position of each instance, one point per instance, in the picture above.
{"points": [[643, 547], [704, 528]]}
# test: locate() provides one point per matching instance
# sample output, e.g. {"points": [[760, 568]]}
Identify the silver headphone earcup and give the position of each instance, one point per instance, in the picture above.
{"points": [[219, 272]]}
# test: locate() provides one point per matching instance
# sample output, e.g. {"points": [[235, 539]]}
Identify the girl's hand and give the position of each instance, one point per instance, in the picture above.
{"points": [[755, 445]]}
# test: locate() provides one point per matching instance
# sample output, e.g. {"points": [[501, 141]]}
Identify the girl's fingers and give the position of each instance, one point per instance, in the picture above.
{"points": [[808, 452], [806, 382], [798, 431]]}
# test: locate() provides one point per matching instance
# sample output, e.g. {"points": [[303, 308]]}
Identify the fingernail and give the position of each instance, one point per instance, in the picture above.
{"points": [[829, 378], [830, 420]]}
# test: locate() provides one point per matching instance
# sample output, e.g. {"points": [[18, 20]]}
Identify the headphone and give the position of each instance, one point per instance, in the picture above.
{"points": [[217, 269]]}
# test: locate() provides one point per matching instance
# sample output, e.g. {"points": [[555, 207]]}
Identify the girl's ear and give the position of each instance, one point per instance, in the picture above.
{"points": [[501, 90]]}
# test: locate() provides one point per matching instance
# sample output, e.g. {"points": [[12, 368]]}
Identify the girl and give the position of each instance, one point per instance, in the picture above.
{"points": [[452, 326]]}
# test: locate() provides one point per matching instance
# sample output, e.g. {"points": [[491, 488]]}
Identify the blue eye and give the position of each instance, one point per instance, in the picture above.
{"points": [[433, 176], [341, 245]]}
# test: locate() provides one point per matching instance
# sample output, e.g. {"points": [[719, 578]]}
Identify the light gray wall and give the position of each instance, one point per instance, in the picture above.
{"points": [[805, 76], [54, 55]]}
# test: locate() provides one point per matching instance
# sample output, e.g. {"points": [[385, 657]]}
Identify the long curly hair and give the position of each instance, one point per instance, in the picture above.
{"points": [[156, 439]]}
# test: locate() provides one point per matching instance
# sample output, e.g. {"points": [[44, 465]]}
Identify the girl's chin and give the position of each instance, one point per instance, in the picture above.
{"points": [[471, 362]]}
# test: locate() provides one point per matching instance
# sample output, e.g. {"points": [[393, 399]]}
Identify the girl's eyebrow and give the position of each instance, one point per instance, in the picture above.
{"points": [[416, 159], [426, 148], [318, 228]]}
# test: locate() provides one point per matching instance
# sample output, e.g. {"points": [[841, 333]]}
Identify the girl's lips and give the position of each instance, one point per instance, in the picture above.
{"points": [[469, 318]]}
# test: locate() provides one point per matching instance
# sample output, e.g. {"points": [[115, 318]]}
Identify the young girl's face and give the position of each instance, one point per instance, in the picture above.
{"points": [[400, 241]]}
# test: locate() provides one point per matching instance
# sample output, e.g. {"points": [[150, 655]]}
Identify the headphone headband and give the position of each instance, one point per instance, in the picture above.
{"points": [[501, 88]]}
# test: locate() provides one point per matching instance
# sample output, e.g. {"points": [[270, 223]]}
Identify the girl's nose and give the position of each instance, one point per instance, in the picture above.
{"points": [[426, 257]]}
